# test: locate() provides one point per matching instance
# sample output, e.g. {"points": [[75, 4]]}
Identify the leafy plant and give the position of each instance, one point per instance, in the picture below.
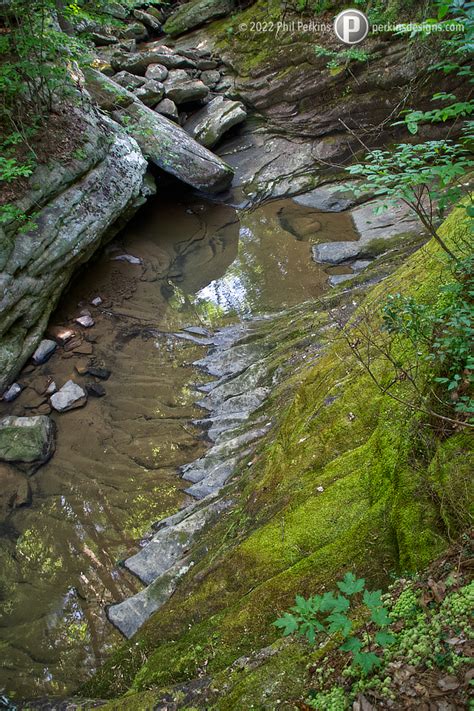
{"points": [[10, 169], [9, 214], [329, 614], [442, 333], [426, 177], [343, 57]]}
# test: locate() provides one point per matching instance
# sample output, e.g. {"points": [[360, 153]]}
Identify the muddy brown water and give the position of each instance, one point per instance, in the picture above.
{"points": [[115, 470]]}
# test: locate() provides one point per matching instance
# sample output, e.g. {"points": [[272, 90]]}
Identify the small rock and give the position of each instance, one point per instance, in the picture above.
{"points": [[44, 351], [156, 71], [33, 400], [43, 409], [12, 393], [72, 345], [127, 258], [69, 397], [148, 20], [115, 10], [86, 321], [22, 495], [167, 108], [320, 489], [206, 64], [151, 92], [61, 334], [128, 80], [101, 40], [95, 389], [97, 301], [84, 349], [81, 367], [181, 89], [98, 372], [51, 388], [210, 78], [136, 31]]}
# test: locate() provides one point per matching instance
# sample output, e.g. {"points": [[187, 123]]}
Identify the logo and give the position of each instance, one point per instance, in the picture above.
{"points": [[351, 26]]}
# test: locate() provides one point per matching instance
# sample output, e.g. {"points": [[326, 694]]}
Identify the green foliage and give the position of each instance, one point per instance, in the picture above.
{"points": [[328, 614], [343, 57], [442, 333], [9, 214], [35, 61], [427, 177], [11, 169], [457, 53]]}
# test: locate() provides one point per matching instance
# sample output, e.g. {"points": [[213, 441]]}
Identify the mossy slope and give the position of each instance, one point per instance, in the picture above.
{"points": [[347, 480]]}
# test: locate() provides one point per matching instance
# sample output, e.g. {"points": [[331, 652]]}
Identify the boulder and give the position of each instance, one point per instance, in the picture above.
{"points": [[44, 351], [138, 62], [79, 204], [180, 88], [209, 124], [105, 91], [27, 442], [156, 71], [101, 40], [128, 81], [147, 19], [167, 108], [210, 78], [135, 31], [195, 13], [69, 397], [115, 10], [150, 93], [173, 150]]}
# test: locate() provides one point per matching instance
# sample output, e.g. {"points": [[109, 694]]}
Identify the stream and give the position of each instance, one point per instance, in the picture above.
{"points": [[177, 264]]}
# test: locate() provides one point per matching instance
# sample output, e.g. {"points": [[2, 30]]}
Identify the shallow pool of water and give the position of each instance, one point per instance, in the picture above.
{"points": [[115, 470]]}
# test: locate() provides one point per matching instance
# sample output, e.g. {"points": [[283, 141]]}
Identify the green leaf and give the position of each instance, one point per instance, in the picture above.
{"points": [[380, 617], [288, 623], [328, 602], [367, 661], [352, 644], [339, 623], [384, 638], [350, 584], [372, 599]]}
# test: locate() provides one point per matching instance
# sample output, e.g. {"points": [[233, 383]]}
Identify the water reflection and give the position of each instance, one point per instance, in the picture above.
{"points": [[115, 468]]}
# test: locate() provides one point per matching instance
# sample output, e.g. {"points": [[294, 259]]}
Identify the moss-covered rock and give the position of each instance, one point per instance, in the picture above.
{"points": [[195, 13]]}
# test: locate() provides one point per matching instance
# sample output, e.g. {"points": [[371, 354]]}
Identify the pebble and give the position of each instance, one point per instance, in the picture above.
{"points": [[127, 258], [72, 345], [97, 301], [12, 393], [98, 372], [44, 351], [81, 367], [84, 349], [86, 321], [61, 334], [52, 387], [95, 389]]}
